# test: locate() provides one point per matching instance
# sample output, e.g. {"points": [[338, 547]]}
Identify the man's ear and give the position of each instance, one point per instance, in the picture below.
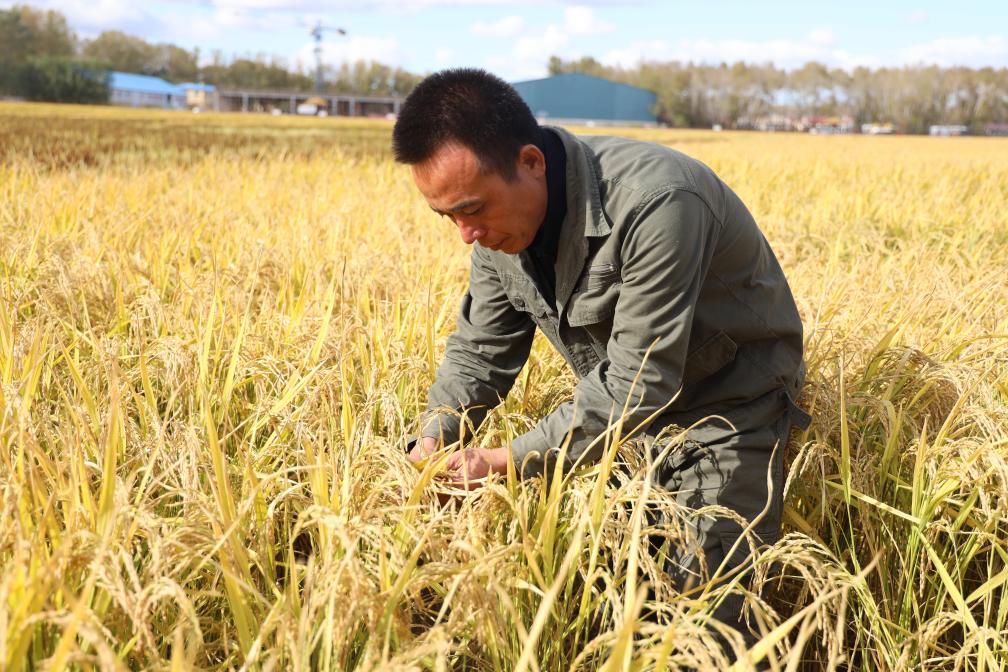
{"points": [[531, 158]]}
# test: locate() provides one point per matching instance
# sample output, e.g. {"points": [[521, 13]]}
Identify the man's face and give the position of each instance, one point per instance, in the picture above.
{"points": [[487, 209]]}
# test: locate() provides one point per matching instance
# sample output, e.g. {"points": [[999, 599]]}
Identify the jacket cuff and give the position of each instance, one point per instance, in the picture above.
{"points": [[533, 453], [442, 426]]}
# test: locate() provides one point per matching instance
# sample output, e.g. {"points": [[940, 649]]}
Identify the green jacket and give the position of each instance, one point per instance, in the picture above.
{"points": [[656, 253]]}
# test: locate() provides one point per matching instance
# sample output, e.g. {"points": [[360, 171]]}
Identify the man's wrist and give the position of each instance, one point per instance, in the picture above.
{"points": [[499, 459]]}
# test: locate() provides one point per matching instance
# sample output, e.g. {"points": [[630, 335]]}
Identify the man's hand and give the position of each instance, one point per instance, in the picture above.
{"points": [[469, 467], [423, 447]]}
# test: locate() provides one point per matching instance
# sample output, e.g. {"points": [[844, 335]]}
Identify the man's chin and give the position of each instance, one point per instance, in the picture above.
{"points": [[513, 246], [506, 246]]}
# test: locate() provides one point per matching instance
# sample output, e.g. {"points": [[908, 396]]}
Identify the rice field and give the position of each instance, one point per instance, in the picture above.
{"points": [[216, 330]]}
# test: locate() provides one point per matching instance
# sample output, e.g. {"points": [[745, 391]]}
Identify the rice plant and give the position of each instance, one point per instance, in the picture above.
{"points": [[216, 330]]}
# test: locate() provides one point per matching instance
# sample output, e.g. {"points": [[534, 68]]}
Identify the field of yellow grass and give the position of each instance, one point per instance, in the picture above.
{"points": [[215, 331]]}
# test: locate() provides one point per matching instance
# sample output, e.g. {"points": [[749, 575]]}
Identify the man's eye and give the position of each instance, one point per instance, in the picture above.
{"points": [[472, 211]]}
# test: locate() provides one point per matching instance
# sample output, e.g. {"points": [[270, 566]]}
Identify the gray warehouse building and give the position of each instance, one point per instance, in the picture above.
{"points": [[575, 97]]}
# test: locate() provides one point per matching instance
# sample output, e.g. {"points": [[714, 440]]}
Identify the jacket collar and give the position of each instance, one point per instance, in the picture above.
{"points": [[584, 202], [585, 217]]}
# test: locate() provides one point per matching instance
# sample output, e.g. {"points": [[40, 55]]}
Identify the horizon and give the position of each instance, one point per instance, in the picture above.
{"points": [[517, 44]]}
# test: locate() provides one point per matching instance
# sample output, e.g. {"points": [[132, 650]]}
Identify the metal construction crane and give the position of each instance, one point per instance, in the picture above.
{"points": [[316, 32]]}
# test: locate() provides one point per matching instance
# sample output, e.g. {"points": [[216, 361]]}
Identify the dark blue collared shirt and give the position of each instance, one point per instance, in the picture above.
{"points": [[543, 250]]}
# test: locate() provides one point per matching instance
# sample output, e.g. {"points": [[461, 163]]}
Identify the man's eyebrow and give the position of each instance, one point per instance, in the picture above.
{"points": [[461, 205]]}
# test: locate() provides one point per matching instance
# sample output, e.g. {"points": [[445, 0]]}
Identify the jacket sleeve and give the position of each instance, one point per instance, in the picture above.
{"points": [[483, 356], [665, 254]]}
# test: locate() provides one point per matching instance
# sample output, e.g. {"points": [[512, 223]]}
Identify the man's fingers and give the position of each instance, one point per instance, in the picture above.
{"points": [[468, 484], [418, 452], [422, 448]]}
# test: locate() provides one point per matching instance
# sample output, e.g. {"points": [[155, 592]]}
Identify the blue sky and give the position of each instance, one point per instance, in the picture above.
{"points": [[515, 38]]}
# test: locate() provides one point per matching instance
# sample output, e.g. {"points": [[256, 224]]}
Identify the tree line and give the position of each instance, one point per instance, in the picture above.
{"points": [[741, 95], [43, 58]]}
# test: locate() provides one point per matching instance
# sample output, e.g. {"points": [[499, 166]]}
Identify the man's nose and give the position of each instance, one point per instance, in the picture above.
{"points": [[469, 232]]}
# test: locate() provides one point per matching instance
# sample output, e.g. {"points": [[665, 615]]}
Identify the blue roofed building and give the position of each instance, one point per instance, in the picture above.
{"points": [[579, 98], [133, 90]]}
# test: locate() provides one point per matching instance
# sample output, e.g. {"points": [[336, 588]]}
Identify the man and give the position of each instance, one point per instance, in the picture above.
{"points": [[636, 262]]}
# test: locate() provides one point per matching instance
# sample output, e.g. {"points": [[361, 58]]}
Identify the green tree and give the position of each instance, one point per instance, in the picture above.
{"points": [[63, 80], [862, 102], [120, 51], [672, 84], [813, 86], [403, 82], [175, 63], [255, 73], [585, 65], [26, 33], [371, 78]]}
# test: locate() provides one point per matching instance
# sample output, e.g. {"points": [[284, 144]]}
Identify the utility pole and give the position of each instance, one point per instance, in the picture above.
{"points": [[316, 32]]}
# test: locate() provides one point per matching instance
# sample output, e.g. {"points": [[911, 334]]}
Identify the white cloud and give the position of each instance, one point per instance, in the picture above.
{"points": [[90, 17], [506, 26], [529, 55], [541, 45], [407, 6], [263, 22], [580, 20], [531, 50], [351, 49], [819, 45], [823, 36], [208, 31], [971, 50], [444, 57], [256, 4], [783, 53], [639, 51]]}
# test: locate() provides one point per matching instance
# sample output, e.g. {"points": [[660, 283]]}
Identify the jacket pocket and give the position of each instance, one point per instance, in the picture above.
{"points": [[602, 275], [711, 356], [527, 305], [598, 275], [594, 297], [522, 296], [593, 305]]}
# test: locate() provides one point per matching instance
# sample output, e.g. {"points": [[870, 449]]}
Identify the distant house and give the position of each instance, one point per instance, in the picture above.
{"points": [[133, 90], [579, 98], [199, 96], [774, 122], [947, 129], [878, 129], [314, 106], [819, 125]]}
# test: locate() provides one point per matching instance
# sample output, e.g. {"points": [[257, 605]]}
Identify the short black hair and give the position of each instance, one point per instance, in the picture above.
{"points": [[471, 107]]}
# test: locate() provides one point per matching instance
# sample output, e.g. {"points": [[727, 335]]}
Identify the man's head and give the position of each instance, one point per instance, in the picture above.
{"points": [[472, 145]]}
